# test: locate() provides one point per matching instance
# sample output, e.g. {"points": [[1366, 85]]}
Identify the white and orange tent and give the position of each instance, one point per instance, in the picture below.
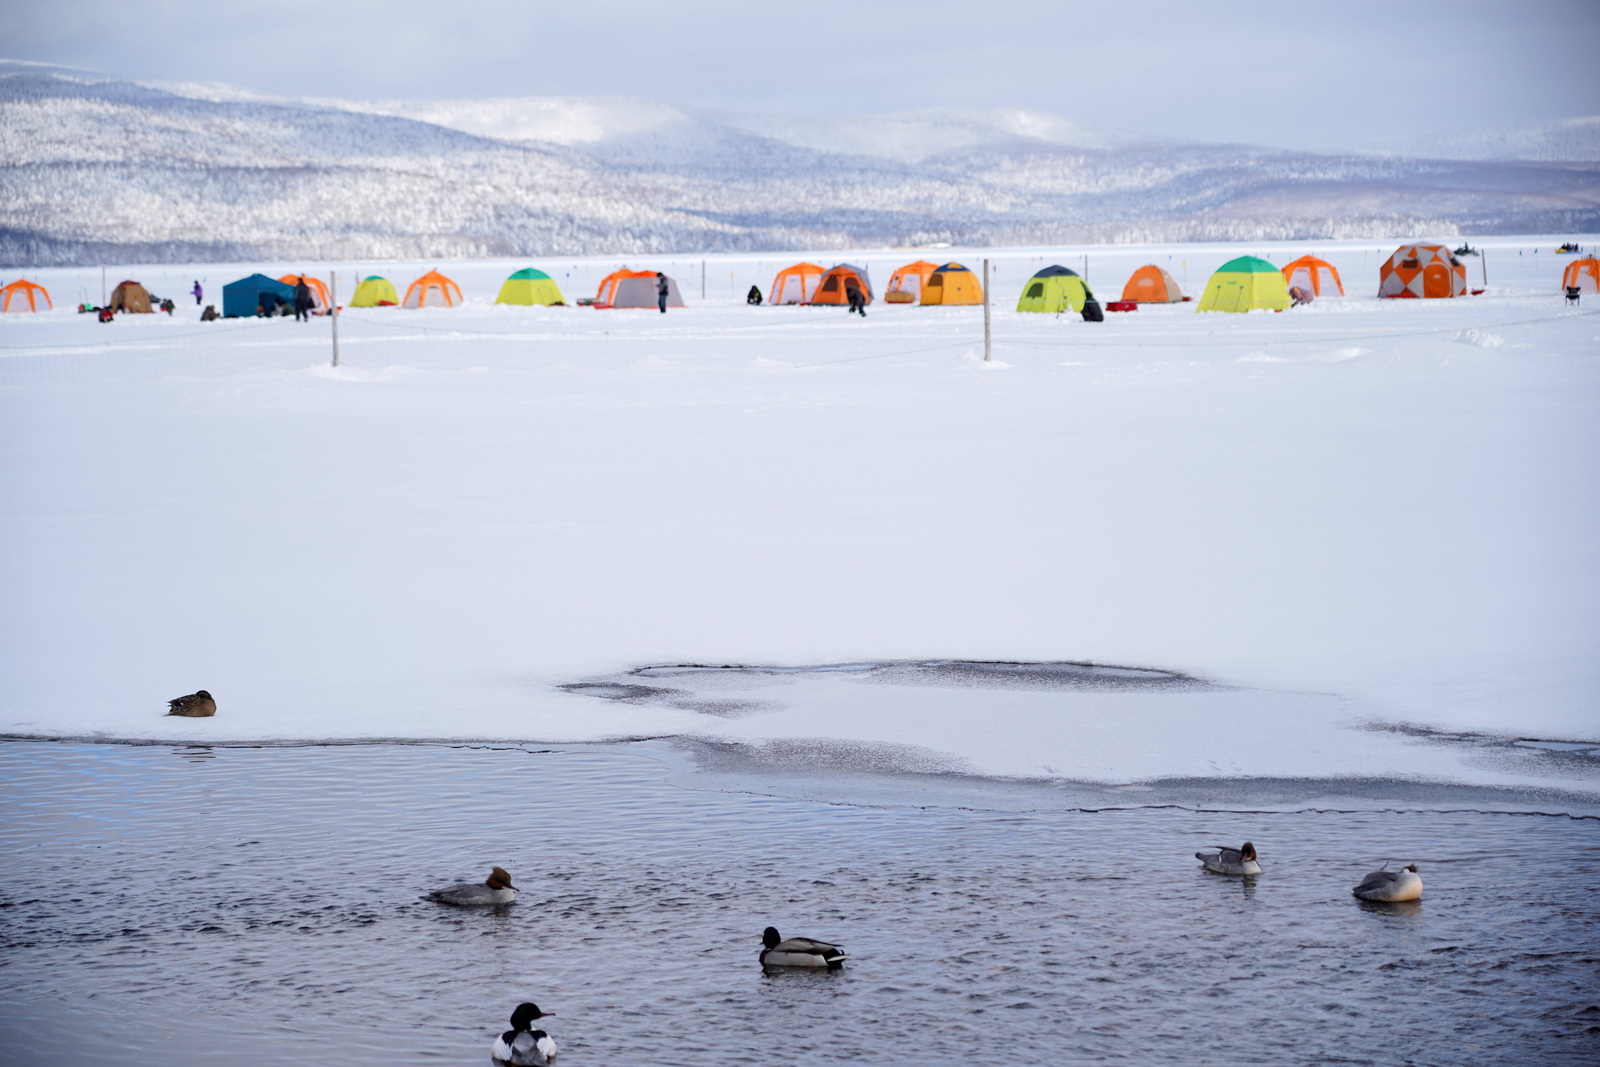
{"points": [[432, 290], [1316, 276], [634, 289], [23, 296], [836, 285], [795, 285], [1582, 274], [1152, 285], [905, 284], [320, 300], [1422, 271]]}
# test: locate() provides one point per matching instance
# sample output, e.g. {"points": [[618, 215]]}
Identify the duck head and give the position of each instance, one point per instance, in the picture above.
{"points": [[1412, 867], [499, 879], [202, 693], [770, 937], [525, 1015], [1247, 852]]}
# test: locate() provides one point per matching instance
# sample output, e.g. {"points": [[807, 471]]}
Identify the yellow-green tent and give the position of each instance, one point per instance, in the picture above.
{"points": [[529, 286], [1245, 284], [375, 292], [1054, 289]]}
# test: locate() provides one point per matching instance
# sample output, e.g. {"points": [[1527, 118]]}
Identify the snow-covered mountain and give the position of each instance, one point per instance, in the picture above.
{"points": [[95, 168]]}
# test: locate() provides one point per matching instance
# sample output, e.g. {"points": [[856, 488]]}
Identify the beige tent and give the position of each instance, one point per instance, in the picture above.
{"points": [[131, 296]]}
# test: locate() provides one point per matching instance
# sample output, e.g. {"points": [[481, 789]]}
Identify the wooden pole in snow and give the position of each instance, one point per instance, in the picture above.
{"points": [[986, 335], [333, 310], [702, 281]]}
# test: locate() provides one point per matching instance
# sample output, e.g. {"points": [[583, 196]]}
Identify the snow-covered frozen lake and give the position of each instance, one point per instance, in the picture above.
{"points": [[166, 905], [1365, 529]]}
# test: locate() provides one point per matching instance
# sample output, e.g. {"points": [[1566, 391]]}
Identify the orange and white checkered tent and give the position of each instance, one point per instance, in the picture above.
{"points": [[1422, 271], [1584, 274]]}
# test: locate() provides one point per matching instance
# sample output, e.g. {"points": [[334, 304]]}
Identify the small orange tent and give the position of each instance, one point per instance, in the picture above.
{"points": [[23, 295], [131, 297], [433, 289], [836, 285], [906, 283], [952, 284], [1152, 285], [1419, 270], [1584, 274], [795, 285], [319, 291], [634, 289], [1316, 276]]}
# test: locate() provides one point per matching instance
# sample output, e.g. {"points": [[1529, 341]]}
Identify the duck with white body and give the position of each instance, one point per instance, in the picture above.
{"points": [[1391, 887], [524, 1045]]}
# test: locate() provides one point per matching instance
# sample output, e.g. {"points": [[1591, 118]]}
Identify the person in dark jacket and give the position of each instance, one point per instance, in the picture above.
{"points": [[753, 297], [303, 302], [858, 300], [198, 292], [661, 292], [210, 314]]}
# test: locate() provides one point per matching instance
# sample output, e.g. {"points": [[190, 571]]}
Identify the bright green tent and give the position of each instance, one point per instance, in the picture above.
{"points": [[1245, 284], [375, 292], [529, 286], [1054, 289]]}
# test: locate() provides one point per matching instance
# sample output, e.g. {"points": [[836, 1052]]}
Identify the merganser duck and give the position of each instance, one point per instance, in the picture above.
{"points": [[523, 1046], [1391, 887], [197, 705], [799, 952], [496, 890], [1240, 860]]}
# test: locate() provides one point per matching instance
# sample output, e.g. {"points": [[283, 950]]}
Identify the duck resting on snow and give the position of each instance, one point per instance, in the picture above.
{"points": [[522, 1045], [197, 705], [497, 889], [799, 952], [1220, 860], [1391, 887]]}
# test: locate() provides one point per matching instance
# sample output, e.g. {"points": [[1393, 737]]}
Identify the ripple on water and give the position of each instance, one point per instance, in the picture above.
{"points": [[159, 904]]}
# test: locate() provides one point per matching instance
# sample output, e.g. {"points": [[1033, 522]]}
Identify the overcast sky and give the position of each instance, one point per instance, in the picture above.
{"points": [[1300, 74]]}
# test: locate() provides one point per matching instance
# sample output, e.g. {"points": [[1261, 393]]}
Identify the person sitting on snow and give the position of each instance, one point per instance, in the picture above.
{"points": [[753, 297]]}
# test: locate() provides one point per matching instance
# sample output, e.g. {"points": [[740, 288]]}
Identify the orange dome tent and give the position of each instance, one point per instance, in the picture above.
{"points": [[836, 285], [1152, 285], [795, 285], [1420, 270], [319, 291], [952, 284], [433, 289], [634, 289], [906, 284], [1316, 276], [22, 295], [1584, 274], [131, 297]]}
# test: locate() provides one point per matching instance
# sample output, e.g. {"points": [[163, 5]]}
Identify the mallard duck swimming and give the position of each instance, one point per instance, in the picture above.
{"points": [[1241, 860], [522, 1045], [1391, 887], [197, 705], [799, 952], [497, 889]]}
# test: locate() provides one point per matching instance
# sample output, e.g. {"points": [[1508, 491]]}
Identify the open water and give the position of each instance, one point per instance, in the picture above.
{"points": [[169, 906]]}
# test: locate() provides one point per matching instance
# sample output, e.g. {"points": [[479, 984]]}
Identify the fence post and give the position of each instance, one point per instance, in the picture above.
{"points": [[702, 281], [986, 349], [333, 311]]}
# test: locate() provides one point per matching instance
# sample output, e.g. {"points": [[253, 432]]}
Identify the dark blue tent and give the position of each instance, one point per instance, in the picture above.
{"points": [[240, 299]]}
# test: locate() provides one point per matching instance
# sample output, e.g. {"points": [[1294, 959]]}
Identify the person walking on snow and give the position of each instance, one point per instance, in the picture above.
{"points": [[661, 292], [302, 301], [198, 292], [858, 300]]}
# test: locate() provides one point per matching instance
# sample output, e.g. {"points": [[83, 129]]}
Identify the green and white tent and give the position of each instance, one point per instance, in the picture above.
{"points": [[529, 286], [1245, 284], [1054, 289]]}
